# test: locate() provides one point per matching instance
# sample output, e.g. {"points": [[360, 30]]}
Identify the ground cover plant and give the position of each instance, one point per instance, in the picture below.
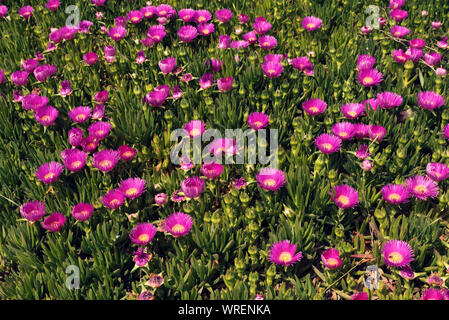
{"points": [[119, 179]]}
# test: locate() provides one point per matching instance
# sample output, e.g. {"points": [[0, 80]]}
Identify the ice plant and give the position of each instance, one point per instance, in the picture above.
{"points": [[432, 58], [268, 42], [437, 171], [82, 211], [80, 114], [345, 196], [117, 33], [167, 65], [331, 258], [365, 62], [49, 172], [99, 130], [432, 294], [54, 222], [271, 179], [240, 183], [395, 193], [113, 199], [352, 110], [399, 56], [389, 100], [132, 187], [223, 15], [178, 224], [376, 132], [225, 84], [211, 170], [360, 296], [74, 160], [430, 100], [90, 58], [105, 160], [143, 233], [397, 253], [257, 120], [399, 31], [75, 136], [26, 12], [343, 130], [223, 145], [46, 115], [195, 128], [141, 258], [160, 199], [362, 152], [283, 253], [422, 187], [34, 102], [272, 69], [371, 77], [205, 29], [446, 131], [262, 26], [33, 211], [314, 106], [311, 23], [192, 187], [328, 143], [19, 78]]}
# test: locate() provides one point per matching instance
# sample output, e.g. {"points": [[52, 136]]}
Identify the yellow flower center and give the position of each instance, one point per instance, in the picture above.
{"points": [[394, 196], [343, 134], [127, 154], [195, 132], [201, 19], [258, 123], [343, 199], [206, 31], [269, 182], [100, 132], [311, 25], [105, 163], [178, 228], [314, 109], [395, 257], [368, 80], [49, 175], [352, 113], [117, 34], [54, 224], [45, 118], [80, 117], [114, 202], [131, 191], [76, 164], [420, 189], [134, 19], [144, 237], [285, 257], [327, 146], [332, 262]]}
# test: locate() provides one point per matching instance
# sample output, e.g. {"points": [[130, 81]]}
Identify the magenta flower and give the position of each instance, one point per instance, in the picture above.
{"points": [[399, 31], [202, 16], [34, 102], [436, 24], [192, 187], [113, 199], [272, 69], [328, 143], [90, 58], [283, 253], [365, 62], [132, 187], [370, 77], [75, 136], [389, 100], [205, 29], [54, 222], [101, 96], [19, 78], [167, 65], [178, 224], [82, 211], [99, 130], [414, 54], [29, 65], [311, 23], [437, 171], [66, 90], [399, 56], [343, 130], [98, 112], [160, 199], [206, 80], [117, 33], [243, 18], [148, 12], [345, 196], [371, 103], [223, 15], [105, 160], [407, 273], [109, 54], [74, 160], [2, 76], [157, 97], [376, 132], [239, 183], [141, 258], [33, 211], [362, 152], [417, 43], [98, 3], [360, 296], [443, 43], [225, 84], [395, 193], [398, 14], [314, 106], [224, 42], [422, 187], [331, 258], [216, 65], [89, 144], [44, 71], [3, 11], [430, 100], [187, 33], [261, 26], [270, 179], [134, 16], [361, 130], [26, 12], [46, 115], [80, 114], [257, 120], [432, 294], [239, 44], [126, 153], [186, 15], [142, 234], [352, 110], [49, 172], [365, 30], [195, 128], [250, 37], [268, 42], [223, 145], [212, 170], [397, 253], [446, 131], [432, 58]]}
